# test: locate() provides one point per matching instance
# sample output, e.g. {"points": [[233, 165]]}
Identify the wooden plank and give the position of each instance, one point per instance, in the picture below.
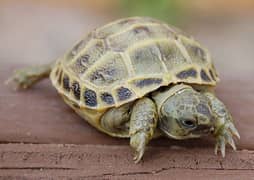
{"points": [[172, 174], [98, 161]]}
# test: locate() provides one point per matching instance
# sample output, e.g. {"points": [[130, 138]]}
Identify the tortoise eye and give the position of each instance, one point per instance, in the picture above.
{"points": [[189, 123]]}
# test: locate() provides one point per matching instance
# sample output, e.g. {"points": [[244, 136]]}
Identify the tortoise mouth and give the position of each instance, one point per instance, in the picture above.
{"points": [[203, 130], [178, 137]]}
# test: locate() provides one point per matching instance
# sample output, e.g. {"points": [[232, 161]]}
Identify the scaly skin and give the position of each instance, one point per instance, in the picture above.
{"points": [[27, 77], [143, 123], [224, 127]]}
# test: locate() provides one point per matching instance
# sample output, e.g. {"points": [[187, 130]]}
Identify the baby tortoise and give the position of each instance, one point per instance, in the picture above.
{"points": [[140, 78]]}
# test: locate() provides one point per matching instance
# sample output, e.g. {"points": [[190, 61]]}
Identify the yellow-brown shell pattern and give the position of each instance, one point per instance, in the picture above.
{"points": [[127, 59]]}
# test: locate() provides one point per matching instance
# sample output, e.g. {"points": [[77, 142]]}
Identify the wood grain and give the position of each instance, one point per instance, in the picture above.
{"points": [[115, 162]]}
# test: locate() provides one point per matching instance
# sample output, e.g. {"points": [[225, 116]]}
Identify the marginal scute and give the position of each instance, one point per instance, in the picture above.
{"points": [[107, 98], [204, 76], [76, 89], [147, 82], [187, 73], [90, 98], [66, 82], [123, 93]]}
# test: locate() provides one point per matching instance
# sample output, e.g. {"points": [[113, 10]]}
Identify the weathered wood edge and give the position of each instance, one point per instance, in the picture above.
{"points": [[99, 161]]}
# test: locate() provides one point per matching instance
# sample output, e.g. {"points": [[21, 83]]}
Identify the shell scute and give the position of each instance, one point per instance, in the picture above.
{"points": [[171, 54], [79, 46], [146, 59], [124, 39], [112, 69], [195, 51], [92, 52]]}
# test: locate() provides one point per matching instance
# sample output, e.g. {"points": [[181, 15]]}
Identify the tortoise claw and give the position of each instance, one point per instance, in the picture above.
{"points": [[138, 155], [233, 130], [138, 143], [224, 137]]}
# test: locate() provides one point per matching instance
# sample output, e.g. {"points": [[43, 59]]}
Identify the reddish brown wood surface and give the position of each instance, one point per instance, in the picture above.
{"points": [[115, 162]]}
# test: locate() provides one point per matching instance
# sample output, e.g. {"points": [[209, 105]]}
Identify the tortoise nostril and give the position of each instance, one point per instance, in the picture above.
{"points": [[212, 129]]}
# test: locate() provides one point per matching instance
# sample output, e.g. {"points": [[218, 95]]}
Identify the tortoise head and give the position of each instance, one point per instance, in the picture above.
{"points": [[185, 113]]}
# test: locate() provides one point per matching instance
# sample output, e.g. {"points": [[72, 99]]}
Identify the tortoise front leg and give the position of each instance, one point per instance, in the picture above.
{"points": [[26, 77], [224, 127], [143, 123]]}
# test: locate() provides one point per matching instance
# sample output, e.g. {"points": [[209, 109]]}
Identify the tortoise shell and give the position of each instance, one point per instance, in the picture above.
{"points": [[128, 59]]}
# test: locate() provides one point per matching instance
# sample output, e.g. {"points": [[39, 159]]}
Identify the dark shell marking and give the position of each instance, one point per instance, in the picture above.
{"points": [[90, 98], [140, 29], [211, 74], [80, 45], [109, 72], [123, 93], [83, 59], [60, 77], [76, 90], [66, 83], [147, 82], [204, 76], [107, 98], [103, 75], [80, 66], [198, 52], [187, 73]]}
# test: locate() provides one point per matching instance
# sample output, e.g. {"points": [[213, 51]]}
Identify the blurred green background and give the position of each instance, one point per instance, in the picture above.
{"points": [[36, 32], [167, 10]]}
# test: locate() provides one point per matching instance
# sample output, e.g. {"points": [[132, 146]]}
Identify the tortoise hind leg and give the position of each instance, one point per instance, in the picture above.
{"points": [[116, 121], [26, 77]]}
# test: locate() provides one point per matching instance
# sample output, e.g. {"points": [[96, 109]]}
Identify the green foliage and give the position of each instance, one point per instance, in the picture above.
{"points": [[167, 10]]}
